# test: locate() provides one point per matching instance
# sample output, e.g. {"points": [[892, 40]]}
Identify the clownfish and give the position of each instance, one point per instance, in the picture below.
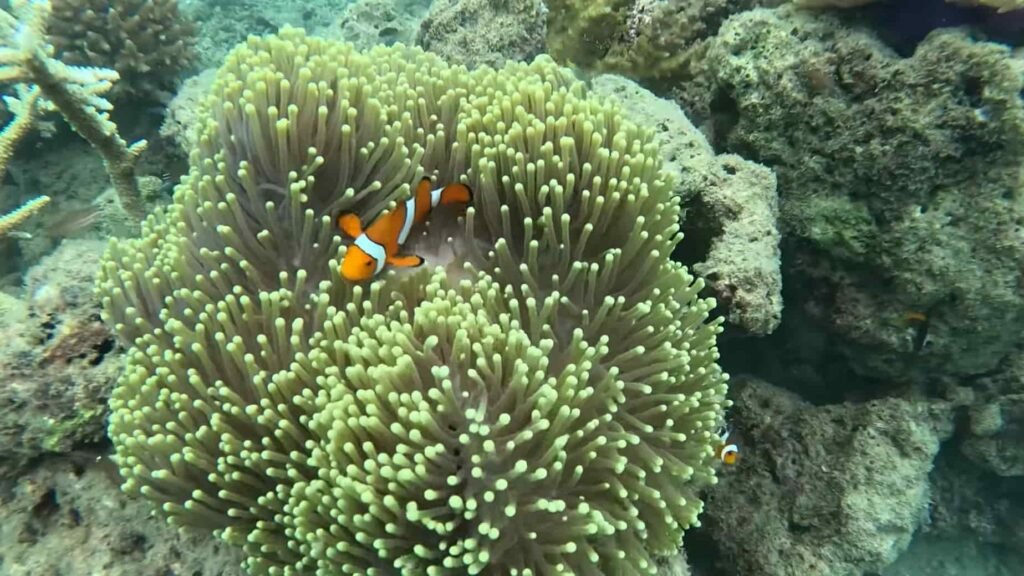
{"points": [[379, 243], [727, 453]]}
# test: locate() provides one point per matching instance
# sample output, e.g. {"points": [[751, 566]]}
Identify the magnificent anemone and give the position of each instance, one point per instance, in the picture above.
{"points": [[544, 403]]}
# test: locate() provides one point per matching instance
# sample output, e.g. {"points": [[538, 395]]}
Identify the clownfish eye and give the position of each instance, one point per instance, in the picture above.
{"points": [[369, 263]]}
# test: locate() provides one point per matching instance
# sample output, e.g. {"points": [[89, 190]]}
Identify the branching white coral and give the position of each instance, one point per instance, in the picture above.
{"points": [[75, 91]]}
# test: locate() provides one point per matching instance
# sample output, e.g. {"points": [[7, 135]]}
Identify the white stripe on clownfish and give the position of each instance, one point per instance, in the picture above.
{"points": [[373, 250]]}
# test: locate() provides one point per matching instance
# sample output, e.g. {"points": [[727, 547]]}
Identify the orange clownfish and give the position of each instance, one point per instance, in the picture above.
{"points": [[379, 243], [724, 451]]}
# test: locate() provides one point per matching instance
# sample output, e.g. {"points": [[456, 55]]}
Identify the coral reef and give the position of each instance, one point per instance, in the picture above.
{"points": [[475, 32], [732, 239], [67, 517], [367, 23], [83, 203], [903, 24], [545, 397], [644, 39], [75, 91], [834, 490], [991, 438], [997, 427], [970, 502], [931, 555], [581, 32], [222, 25], [149, 43], [902, 204], [977, 490], [1002, 5], [739, 216], [181, 123], [56, 360]]}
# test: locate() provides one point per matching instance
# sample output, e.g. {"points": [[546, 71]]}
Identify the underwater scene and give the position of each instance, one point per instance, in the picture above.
{"points": [[512, 287]]}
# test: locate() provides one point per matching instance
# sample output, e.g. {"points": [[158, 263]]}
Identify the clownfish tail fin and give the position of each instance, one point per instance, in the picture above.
{"points": [[456, 194], [406, 261]]}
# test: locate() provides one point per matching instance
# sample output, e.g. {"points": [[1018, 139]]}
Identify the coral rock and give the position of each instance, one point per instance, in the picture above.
{"points": [[368, 23], [148, 42], [900, 179], [834, 490], [66, 516], [58, 362], [475, 32], [732, 237]]}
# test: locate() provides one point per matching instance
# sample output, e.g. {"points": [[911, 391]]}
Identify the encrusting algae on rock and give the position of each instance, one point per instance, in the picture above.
{"points": [[546, 403]]}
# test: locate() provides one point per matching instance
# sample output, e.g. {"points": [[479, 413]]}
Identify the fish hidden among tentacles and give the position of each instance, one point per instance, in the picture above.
{"points": [[379, 243], [727, 453]]}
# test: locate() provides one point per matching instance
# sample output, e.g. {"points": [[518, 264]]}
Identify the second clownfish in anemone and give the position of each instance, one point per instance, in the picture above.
{"points": [[728, 453], [379, 243]]}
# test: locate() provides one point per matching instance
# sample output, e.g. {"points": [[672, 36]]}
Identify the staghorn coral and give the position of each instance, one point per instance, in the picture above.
{"points": [[23, 109], [148, 42], [14, 218], [75, 91], [544, 403]]}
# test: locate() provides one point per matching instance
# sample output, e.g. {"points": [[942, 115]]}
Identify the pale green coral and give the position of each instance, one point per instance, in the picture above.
{"points": [[643, 39], [581, 31], [543, 402]]}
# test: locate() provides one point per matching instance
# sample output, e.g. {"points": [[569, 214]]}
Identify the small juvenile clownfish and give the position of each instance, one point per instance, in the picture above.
{"points": [[380, 242], [915, 317], [918, 324], [727, 453]]}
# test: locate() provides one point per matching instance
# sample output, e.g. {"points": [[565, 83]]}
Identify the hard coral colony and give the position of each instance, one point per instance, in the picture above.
{"points": [[547, 404]]}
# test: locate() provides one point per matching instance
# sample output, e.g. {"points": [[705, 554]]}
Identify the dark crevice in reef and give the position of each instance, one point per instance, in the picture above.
{"points": [[724, 116], [903, 24], [700, 229]]}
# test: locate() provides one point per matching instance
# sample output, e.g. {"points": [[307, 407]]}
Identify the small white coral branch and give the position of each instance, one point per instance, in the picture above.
{"points": [[11, 220], [23, 108]]}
